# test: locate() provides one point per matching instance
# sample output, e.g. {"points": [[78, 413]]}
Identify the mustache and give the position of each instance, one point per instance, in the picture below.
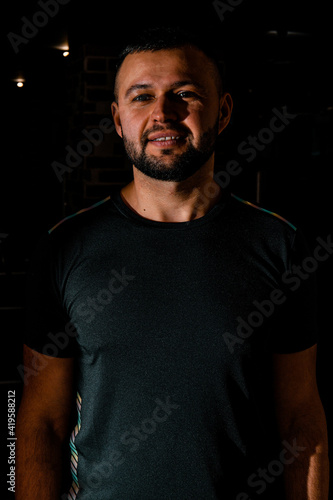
{"points": [[175, 127]]}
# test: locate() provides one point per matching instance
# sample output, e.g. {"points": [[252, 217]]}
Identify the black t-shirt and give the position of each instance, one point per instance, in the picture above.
{"points": [[175, 327]]}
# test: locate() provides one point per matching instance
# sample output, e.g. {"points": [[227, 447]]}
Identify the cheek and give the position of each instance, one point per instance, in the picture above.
{"points": [[129, 131], [199, 121], [132, 126], [202, 114]]}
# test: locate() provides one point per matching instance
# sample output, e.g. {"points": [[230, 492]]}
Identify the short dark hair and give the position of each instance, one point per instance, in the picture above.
{"points": [[165, 38]]}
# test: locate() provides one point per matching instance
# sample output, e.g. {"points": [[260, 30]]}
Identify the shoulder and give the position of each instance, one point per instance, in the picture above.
{"points": [[81, 232], [90, 223], [256, 213], [257, 227], [259, 223], [82, 217]]}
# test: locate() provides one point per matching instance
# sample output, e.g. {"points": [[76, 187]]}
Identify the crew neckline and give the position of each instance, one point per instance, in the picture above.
{"points": [[126, 211]]}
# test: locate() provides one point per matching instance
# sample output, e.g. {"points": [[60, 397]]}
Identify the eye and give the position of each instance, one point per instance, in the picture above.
{"points": [[142, 98], [186, 94]]}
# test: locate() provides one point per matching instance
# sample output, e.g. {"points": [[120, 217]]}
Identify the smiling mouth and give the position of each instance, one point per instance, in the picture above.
{"points": [[168, 138], [167, 141]]}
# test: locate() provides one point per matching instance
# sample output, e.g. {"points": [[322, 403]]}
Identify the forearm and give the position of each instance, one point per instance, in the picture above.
{"points": [[39, 462], [307, 476], [318, 478]]}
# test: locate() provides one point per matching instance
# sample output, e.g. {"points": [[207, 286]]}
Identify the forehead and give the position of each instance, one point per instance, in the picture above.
{"points": [[163, 67]]}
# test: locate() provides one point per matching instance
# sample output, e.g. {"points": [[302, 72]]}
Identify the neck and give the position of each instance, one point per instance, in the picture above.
{"points": [[166, 201]]}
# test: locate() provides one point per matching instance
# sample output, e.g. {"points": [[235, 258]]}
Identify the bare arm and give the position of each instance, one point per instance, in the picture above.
{"points": [[302, 424], [43, 426]]}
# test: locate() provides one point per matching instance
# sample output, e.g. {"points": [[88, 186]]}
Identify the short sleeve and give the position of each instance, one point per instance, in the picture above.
{"points": [[48, 329], [294, 324]]}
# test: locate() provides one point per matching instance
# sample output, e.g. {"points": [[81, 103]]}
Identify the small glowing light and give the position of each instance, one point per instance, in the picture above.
{"points": [[19, 81], [65, 53]]}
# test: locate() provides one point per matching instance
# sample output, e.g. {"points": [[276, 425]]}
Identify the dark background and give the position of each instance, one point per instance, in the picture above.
{"points": [[278, 56]]}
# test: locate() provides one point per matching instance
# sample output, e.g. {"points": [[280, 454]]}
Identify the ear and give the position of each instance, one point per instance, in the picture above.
{"points": [[116, 118], [226, 105]]}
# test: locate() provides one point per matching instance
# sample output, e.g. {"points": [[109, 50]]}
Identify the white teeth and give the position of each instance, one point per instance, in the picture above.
{"points": [[166, 138]]}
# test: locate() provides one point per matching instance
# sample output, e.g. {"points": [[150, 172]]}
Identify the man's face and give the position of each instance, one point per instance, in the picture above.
{"points": [[168, 112]]}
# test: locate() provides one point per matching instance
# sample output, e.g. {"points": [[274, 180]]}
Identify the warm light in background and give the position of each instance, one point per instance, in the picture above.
{"points": [[19, 81], [62, 44]]}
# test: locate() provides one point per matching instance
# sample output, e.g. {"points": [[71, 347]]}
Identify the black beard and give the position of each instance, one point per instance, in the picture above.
{"points": [[183, 166]]}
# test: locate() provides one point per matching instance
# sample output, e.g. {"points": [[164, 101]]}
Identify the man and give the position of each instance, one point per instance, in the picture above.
{"points": [[193, 353]]}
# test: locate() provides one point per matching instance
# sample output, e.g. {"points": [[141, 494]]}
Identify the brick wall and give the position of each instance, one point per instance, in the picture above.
{"points": [[101, 162]]}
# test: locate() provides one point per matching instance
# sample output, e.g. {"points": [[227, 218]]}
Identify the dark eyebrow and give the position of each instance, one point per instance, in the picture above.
{"points": [[180, 83], [137, 86], [184, 83]]}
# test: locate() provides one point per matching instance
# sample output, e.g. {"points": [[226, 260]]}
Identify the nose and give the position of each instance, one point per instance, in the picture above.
{"points": [[164, 110]]}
